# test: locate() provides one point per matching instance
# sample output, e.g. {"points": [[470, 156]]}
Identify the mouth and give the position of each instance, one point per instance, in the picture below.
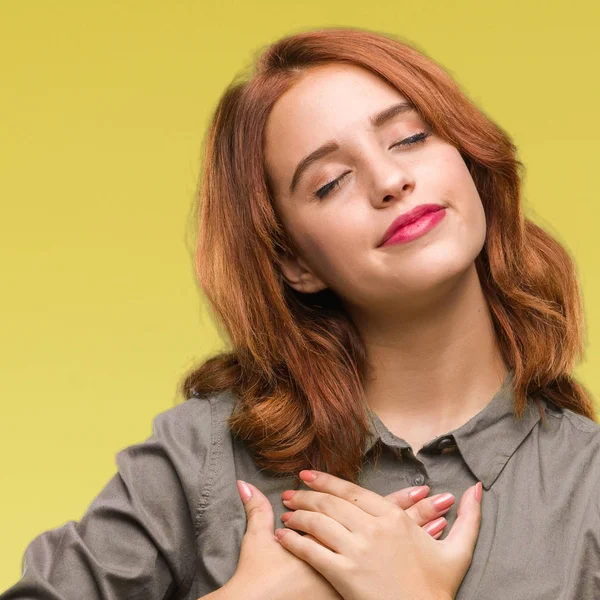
{"points": [[413, 224]]}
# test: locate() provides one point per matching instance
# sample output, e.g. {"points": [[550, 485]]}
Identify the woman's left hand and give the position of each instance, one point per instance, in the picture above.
{"points": [[369, 549]]}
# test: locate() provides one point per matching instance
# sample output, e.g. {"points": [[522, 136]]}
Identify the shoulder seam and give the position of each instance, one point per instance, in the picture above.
{"points": [[215, 440], [580, 426]]}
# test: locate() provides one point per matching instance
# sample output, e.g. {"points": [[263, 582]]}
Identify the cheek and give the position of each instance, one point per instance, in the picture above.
{"points": [[336, 232], [466, 235], [316, 243], [463, 197], [481, 227], [335, 246], [473, 217]]}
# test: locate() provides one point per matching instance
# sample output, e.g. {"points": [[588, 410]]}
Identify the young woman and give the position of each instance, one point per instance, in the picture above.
{"points": [[397, 325]]}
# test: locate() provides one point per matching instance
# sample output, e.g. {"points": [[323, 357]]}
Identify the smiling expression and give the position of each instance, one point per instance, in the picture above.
{"points": [[346, 154]]}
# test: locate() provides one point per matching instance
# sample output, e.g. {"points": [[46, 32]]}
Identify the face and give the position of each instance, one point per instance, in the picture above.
{"points": [[342, 203]]}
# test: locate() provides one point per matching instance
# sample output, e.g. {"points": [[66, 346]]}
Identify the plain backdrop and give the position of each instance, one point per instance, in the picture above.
{"points": [[103, 110]]}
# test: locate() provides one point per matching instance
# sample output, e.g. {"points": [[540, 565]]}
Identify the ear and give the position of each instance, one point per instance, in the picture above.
{"points": [[298, 274]]}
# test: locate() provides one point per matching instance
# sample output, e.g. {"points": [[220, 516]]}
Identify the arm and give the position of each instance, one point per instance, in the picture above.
{"points": [[137, 539]]}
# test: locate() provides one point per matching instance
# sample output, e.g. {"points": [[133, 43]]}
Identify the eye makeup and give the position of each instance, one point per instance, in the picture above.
{"points": [[413, 140]]}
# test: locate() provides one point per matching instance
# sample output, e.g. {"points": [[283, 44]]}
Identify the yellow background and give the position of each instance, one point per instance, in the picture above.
{"points": [[103, 109]]}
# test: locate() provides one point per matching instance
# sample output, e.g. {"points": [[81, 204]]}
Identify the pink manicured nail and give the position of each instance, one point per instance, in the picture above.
{"points": [[287, 495], [244, 490], [478, 491], [434, 526], [419, 493], [308, 475], [444, 501]]}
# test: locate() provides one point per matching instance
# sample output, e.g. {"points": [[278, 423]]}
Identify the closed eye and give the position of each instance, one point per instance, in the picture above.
{"points": [[418, 138]]}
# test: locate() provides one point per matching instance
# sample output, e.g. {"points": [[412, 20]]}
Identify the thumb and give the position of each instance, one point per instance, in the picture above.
{"points": [[464, 532], [259, 512]]}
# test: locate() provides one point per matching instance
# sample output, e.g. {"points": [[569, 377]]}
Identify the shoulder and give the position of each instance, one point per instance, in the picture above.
{"points": [[571, 442], [572, 423], [194, 417], [183, 438], [569, 445]]}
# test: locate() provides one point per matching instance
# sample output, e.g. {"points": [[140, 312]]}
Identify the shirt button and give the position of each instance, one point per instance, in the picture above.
{"points": [[418, 479], [446, 442]]}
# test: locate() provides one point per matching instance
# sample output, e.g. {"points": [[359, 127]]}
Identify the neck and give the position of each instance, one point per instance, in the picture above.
{"points": [[434, 370]]}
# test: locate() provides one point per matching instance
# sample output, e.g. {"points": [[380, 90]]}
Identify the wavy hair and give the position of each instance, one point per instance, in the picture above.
{"points": [[297, 362]]}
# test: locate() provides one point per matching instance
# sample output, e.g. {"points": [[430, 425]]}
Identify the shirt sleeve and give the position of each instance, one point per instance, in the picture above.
{"points": [[137, 539]]}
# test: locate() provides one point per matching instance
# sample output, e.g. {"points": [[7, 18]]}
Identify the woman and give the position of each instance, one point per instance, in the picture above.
{"points": [[395, 323]]}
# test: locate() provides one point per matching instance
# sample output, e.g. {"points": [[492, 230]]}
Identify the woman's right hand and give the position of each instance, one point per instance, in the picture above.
{"points": [[266, 570]]}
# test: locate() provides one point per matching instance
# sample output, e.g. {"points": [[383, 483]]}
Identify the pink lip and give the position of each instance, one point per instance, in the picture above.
{"points": [[413, 224]]}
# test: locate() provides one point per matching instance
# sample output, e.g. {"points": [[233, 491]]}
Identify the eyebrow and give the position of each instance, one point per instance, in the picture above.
{"points": [[376, 121]]}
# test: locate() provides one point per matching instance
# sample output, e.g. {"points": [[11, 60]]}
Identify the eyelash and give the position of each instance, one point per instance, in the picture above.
{"points": [[418, 138]]}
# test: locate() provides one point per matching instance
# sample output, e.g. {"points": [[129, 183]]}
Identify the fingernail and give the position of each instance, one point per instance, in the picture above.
{"points": [[418, 493], [287, 495], [443, 501], [478, 491], [435, 525], [308, 475], [244, 490], [285, 516]]}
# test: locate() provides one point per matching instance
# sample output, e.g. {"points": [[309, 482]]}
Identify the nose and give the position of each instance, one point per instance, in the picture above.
{"points": [[390, 180]]}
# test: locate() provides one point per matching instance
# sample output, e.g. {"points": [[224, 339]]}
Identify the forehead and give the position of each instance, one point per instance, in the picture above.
{"points": [[328, 102]]}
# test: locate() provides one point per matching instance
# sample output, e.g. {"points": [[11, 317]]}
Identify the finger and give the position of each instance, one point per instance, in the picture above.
{"points": [[260, 520], [370, 502], [464, 532], [321, 558], [325, 529], [407, 497], [310, 537], [349, 515], [431, 508], [419, 508], [353, 518], [435, 527]]}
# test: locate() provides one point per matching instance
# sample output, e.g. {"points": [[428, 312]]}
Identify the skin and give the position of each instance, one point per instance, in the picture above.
{"points": [[418, 306]]}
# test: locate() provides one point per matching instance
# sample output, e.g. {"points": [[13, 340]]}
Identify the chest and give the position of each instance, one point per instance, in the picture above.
{"points": [[530, 547], [527, 551]]}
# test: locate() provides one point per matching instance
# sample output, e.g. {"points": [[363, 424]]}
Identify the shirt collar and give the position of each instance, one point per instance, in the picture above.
{"points": [[486, 441]]}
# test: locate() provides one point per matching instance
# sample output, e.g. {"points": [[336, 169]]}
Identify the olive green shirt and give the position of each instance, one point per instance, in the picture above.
{"points": [[169, 524]]}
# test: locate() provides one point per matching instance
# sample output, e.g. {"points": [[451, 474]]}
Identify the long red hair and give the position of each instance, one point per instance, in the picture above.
{"points": [[297, 362]]}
